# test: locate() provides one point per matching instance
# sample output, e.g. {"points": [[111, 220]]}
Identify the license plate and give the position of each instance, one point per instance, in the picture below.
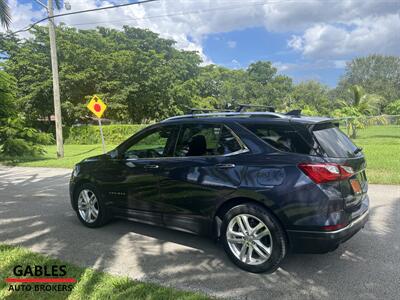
{"points": [[355, 184]]}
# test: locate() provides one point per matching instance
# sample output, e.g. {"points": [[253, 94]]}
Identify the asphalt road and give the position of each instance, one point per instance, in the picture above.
{"points": [[35, 213]]}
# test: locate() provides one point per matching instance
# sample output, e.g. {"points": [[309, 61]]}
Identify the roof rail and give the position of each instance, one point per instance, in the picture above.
{"points": [[228, 114], [243, 106], [205, 110]]}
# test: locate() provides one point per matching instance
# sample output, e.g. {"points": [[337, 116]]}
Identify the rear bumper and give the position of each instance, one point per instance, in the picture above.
{"points": [[324, 241]]}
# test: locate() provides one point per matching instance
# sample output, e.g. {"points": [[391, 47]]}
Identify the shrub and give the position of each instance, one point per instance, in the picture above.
{"points": [[393, 108], [18, 140], [90, 134]]}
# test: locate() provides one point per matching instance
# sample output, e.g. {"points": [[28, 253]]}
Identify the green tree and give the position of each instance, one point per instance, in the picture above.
{"points": [[365, 104], [261, 71], [134, 70], [5, 15], [375, 74], [393, 108], [310, 94], [7, 95], [358, 110], [16, 139]]}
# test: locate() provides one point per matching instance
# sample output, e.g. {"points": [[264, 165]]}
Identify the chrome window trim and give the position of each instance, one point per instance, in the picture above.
{"points": [[244, 149]]}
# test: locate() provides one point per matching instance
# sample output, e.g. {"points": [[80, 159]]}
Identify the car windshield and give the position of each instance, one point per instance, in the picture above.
{"points": [[334, 142]]}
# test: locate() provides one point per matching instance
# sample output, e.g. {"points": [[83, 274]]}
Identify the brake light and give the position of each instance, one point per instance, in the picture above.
{"points": [[326, 172]]}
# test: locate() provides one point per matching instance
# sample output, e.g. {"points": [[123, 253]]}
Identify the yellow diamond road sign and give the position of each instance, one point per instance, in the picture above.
{"points": [[97, 106]]}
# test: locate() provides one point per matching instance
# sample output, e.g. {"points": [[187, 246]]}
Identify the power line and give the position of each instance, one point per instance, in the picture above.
{"points": [[82, 11], [206, 10], [198, 11]]}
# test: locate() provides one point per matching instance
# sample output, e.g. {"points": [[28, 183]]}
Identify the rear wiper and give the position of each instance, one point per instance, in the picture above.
{"points": [[359, 149]]}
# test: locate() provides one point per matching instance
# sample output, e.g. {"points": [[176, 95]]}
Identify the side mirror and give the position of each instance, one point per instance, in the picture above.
{"points": [[113, 154]]}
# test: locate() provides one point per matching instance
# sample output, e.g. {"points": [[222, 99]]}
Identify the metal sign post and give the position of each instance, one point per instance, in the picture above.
{"points": [[102, 137]]}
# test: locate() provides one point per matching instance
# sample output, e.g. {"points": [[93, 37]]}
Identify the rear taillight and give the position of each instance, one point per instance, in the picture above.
{"points": [[326, 172]]}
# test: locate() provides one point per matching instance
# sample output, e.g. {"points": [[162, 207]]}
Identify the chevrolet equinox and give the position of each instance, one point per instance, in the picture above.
{"points": [[263, 183]]}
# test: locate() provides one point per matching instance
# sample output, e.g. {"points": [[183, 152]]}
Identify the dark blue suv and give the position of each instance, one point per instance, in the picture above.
{"points": [[262, 183]]}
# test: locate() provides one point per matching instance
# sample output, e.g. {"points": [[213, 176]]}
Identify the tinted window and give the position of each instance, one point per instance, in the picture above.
{"points": [[206, 139], [283, 138], [156, 143], [228, 142], [334, 142]]}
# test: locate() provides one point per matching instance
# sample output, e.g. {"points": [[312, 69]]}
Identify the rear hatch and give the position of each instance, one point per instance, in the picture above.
{"points": [[339, 149]]}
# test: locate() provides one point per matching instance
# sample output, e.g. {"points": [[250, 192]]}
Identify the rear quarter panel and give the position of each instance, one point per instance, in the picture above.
{"points": [[275, 180]]}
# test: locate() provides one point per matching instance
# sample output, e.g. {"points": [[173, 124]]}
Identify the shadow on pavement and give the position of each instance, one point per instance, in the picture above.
{"points": [[35, 213]]}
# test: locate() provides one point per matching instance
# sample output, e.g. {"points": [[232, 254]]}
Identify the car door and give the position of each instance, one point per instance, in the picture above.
{"points": [[133, 177], [203, 170]]}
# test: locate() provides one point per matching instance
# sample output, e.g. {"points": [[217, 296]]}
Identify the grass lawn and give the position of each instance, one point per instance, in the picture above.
{"points": [[381, 146], [90, 284], [73, 155]]}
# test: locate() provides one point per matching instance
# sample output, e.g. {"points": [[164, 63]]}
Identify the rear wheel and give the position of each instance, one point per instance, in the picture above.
{"points": [[253, 238], [90, 208]]}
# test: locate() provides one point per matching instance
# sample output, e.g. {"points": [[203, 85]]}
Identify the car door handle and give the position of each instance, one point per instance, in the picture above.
{"points": [[151, 166], [225, 166]]}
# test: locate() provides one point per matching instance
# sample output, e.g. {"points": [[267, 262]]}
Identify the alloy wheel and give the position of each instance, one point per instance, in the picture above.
{"points": [[88, 206], [249, 239]]}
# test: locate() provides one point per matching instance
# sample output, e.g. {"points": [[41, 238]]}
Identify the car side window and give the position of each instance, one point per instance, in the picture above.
{"points": [[281, 137], [157, 143], [228, 143], [205, 140]]}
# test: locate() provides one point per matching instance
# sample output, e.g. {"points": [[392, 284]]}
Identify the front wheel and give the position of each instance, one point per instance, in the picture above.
{"points": [[253, 238], [90, 208]]}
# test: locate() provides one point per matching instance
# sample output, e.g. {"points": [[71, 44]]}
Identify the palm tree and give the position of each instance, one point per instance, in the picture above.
{"points": [[362, 106], [366, 104], [5, 15]]}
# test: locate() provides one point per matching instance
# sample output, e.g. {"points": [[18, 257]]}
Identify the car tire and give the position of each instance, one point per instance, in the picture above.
{"points": [[87, 199], [264, 249]]}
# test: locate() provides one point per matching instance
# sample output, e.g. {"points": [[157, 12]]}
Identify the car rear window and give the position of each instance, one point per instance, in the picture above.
{"points": [[333, 141], [205, 140], [283, 138]]}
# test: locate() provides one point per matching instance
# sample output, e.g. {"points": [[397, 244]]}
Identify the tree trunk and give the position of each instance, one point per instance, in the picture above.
{"points": [[353, 131]]}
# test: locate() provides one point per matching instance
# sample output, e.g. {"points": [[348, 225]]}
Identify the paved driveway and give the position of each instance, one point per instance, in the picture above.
{"points": [[35, 213]]}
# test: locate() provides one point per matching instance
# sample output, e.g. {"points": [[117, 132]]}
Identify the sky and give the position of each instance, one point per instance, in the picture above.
{"points": [[304, 39]]}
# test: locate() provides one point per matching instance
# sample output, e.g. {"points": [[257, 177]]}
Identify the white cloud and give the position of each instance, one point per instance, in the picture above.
{"points": [[339, 64], [282, 67], [231, 44], [321, 28], [300, 15], [307, 65], [295, 42], [235, 64], [22, 14], [370, 35]]}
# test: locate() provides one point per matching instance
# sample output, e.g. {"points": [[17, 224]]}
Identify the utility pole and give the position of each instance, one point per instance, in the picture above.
{"points": [[53, 54], [54, 71], [56, 83]]}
